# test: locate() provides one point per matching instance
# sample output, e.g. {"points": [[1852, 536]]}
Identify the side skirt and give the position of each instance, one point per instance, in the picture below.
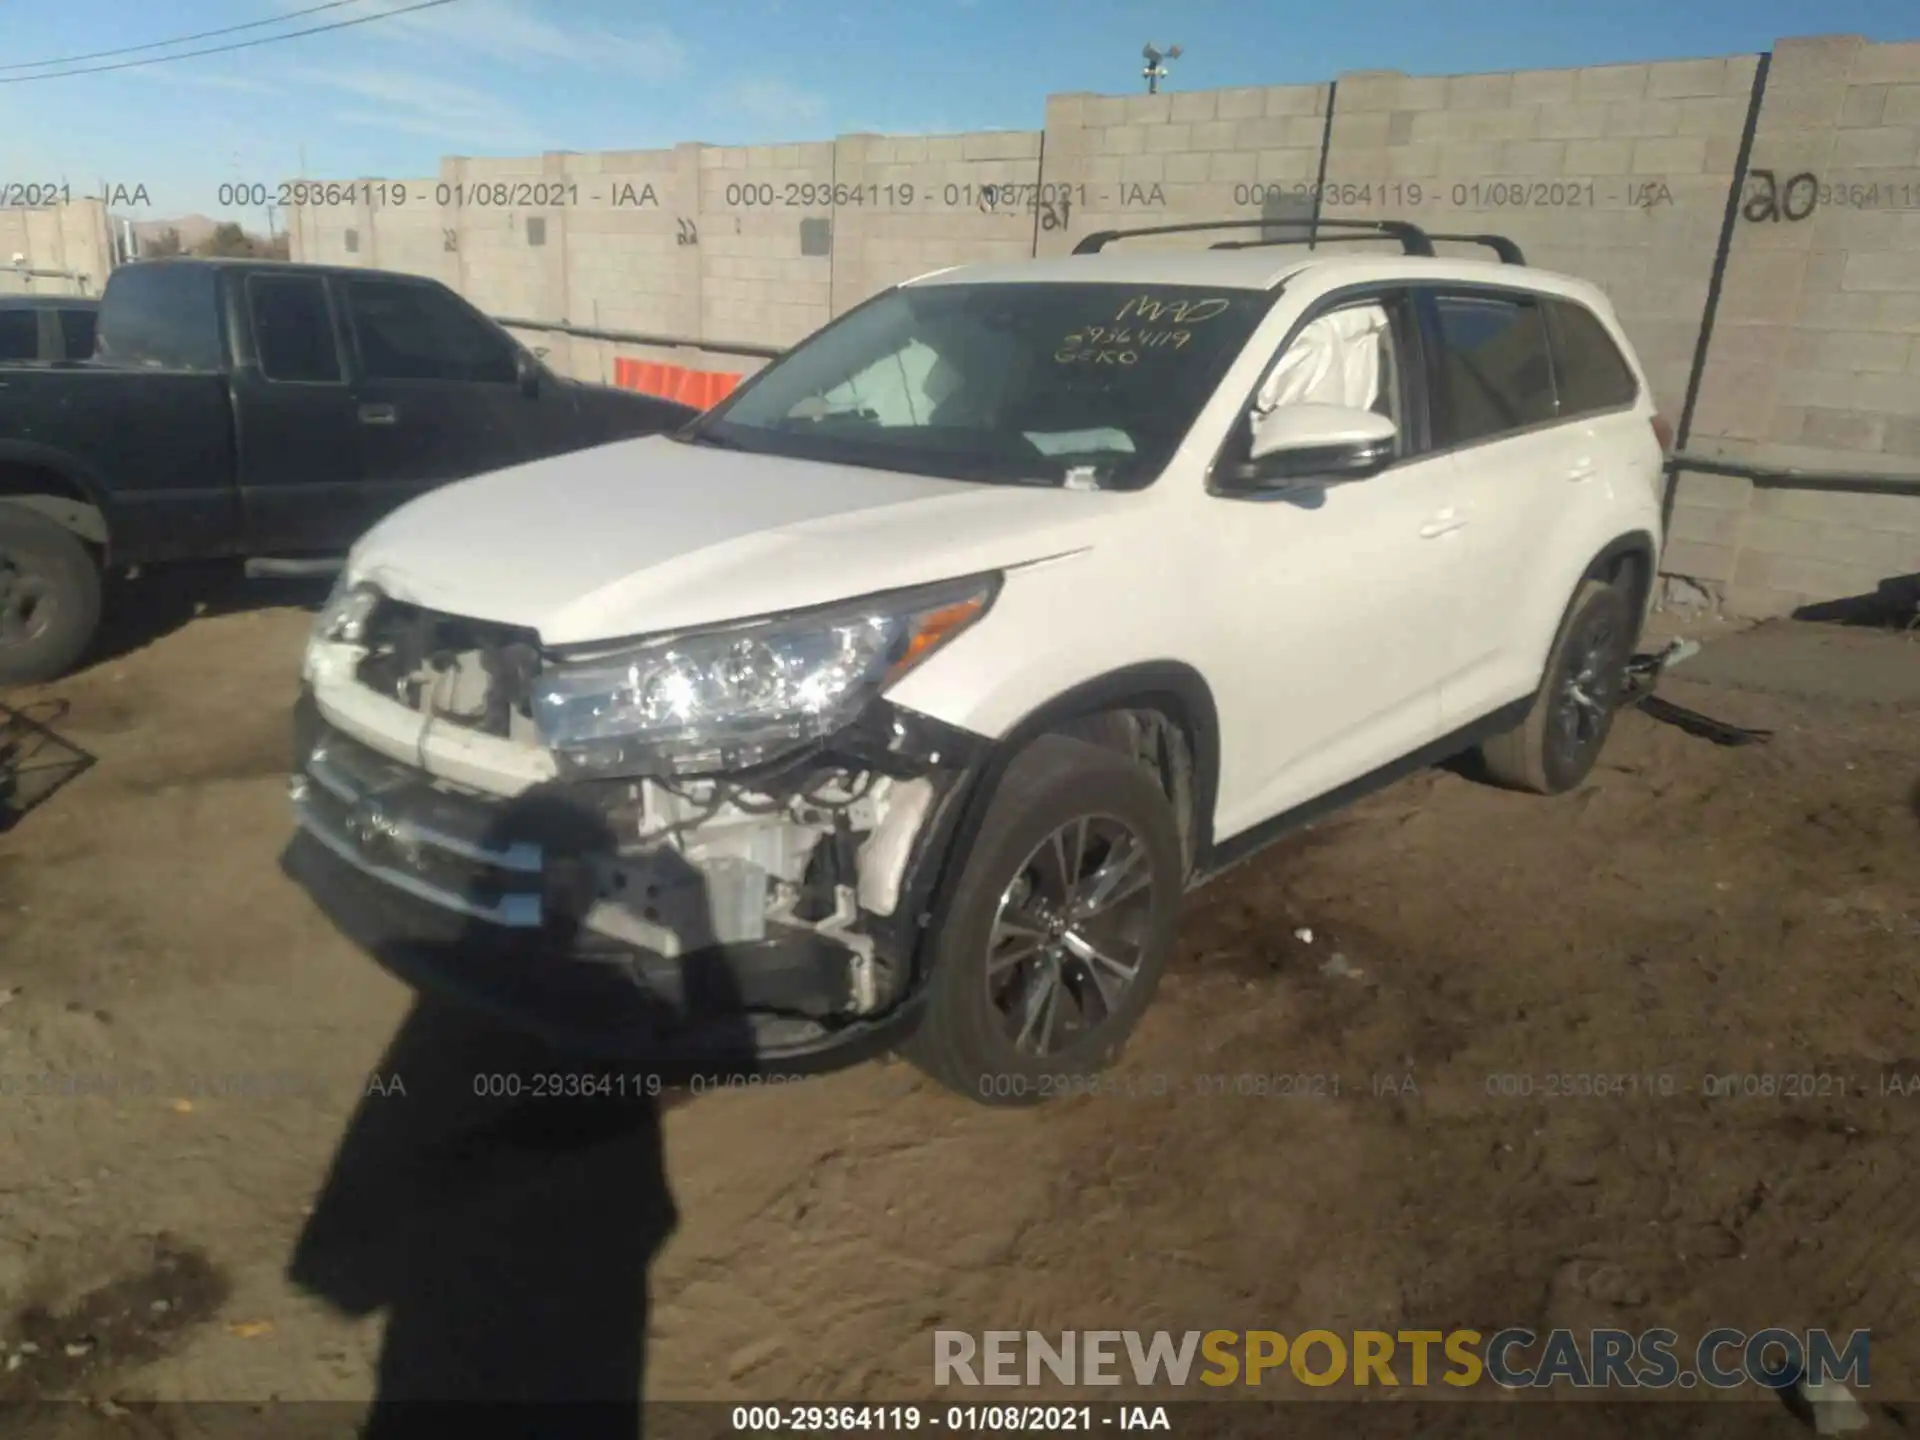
{"points": [[1228, 853]]}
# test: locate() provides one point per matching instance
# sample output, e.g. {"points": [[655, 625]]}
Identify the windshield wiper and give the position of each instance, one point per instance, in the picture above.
{"points": [[707, 437]]}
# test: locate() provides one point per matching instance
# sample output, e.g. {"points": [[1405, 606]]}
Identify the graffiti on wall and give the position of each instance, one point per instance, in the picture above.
{"points": [[1770, 199]]}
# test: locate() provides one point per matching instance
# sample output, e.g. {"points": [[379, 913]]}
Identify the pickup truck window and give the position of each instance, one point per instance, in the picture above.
{"points": [[19, 334], [76, 330], [292, 329], [162, 315], [420, 332]]}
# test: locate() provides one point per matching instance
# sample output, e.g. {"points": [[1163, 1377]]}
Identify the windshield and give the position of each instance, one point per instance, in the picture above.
{"points": [[1008, 384]]}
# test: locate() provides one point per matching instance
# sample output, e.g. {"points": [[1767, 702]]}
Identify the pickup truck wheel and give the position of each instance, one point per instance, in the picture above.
{"points": [[1060, 928], [49, 598], [1555, 747]]}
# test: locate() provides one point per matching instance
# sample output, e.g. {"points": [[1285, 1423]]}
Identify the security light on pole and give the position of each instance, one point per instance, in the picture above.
{"points": [[1153, 72]]}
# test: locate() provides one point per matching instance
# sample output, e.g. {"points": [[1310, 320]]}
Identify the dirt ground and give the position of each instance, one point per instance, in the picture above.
{"points": [[171, 1231]]}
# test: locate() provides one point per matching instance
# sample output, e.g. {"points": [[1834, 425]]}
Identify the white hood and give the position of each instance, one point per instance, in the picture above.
{"points": [[652, 534]]}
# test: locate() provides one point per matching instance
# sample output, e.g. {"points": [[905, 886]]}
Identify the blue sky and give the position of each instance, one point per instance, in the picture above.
{"points": [[510, 77]]}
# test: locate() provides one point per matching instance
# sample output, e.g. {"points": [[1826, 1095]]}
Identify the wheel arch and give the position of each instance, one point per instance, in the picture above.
{"points": [[1147, 704], [51, 485]]}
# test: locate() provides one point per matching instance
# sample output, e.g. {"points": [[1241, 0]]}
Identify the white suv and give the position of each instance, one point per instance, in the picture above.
{"points": [[897, 700]]}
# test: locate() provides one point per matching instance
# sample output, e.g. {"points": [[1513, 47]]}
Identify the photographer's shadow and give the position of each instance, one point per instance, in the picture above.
{"points": [[500, 1197]]}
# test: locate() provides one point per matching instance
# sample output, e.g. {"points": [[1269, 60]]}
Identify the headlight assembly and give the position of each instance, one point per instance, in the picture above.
{"points": [[725, 699]]}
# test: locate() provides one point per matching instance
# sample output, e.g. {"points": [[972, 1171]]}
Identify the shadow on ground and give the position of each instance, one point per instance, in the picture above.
{"points": [[1893, 604], [498, 1193], [164, 599]]}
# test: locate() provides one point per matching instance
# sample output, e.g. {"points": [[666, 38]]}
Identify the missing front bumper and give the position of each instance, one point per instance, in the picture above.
{"points": [[542, 907]]}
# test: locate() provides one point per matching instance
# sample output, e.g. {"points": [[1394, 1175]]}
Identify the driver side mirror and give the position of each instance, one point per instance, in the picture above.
{"points": [[1295, 446]]}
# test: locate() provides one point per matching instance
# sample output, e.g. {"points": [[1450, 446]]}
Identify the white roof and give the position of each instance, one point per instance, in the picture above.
{"points": [[1255, 269]]}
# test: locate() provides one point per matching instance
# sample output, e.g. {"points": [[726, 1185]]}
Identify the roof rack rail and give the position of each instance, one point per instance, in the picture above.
{"points": [[1508, 252], [1413, 240]]}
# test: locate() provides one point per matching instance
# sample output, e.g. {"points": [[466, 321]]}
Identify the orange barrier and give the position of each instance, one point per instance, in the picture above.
{"points": [[699, 388]]}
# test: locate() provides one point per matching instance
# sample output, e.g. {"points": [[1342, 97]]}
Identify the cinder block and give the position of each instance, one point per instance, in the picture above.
{"points": [[1187, 169], [1245, 103], [1213, 135], [1237, 165], [1899, 514], [1544, 87], [1886, 147], [1266, 134], [1706, 525], [1815, 60], [1643, 117], [1424, 92], [1414, 162], [1888, 270], [1611, 82], [1370, 90], [1673, 79], [1533, 157], [1844, 430], [1598, 157], [1704, 490], [1903, 438], [1792, 110], [1864, 106], [1723, 116], [1902, 106], [1897, 64], [1367, 128], [1853, 351], [1195, 106], [1470, 163], [1296, 100], [1672, 155], [1479, 92], [1430, 126], [1507, 124], [1166, 139], [1698, 561], [1106, 111], [1278, 165], [1148, 109], [1124, 140]]}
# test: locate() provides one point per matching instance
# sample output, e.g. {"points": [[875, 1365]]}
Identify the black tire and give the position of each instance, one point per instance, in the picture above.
{"points": [[49, 598], [1555, 747], [968, 1043]]}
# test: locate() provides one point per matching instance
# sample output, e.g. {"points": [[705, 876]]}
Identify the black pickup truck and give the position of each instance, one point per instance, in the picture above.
{"points": [[245, 408]]}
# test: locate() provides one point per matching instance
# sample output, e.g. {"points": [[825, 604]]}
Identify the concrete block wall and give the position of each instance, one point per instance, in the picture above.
{"points": [[73, 237], [1815, 358], [1619, 173]]}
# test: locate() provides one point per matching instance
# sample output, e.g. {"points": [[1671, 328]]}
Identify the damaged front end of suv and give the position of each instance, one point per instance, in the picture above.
{"points": [[715, 844]]}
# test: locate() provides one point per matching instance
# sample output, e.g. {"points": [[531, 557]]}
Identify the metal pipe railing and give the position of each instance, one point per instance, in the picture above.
{"points": [[635, 337], [1778, 477]]}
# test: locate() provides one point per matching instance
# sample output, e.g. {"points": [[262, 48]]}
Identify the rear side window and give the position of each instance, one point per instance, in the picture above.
{"points": [[160, 315], [19, 334], [76, 333], [1590, 372], [411, 331], [292, 329], [1496, 375]]}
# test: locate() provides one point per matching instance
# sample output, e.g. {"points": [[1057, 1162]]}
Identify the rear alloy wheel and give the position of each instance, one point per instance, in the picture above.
{"points": [[1556, 746], [1059, 930], [49, 598]]}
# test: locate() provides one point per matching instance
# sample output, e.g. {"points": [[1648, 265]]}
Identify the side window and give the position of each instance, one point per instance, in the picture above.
{"points": [[19, 334], [420, 332], [163, 315], [292, 331], [76, 333], [1590, 372], [1495, 374], [1348, 356]]}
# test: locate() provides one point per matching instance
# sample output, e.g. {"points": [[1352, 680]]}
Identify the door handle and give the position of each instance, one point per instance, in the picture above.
{"points": [[378, 415], [1583, 469], [1445, 523]]}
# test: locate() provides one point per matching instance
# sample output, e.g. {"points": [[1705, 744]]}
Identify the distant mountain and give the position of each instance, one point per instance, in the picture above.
{"points": [[194, 229]]}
